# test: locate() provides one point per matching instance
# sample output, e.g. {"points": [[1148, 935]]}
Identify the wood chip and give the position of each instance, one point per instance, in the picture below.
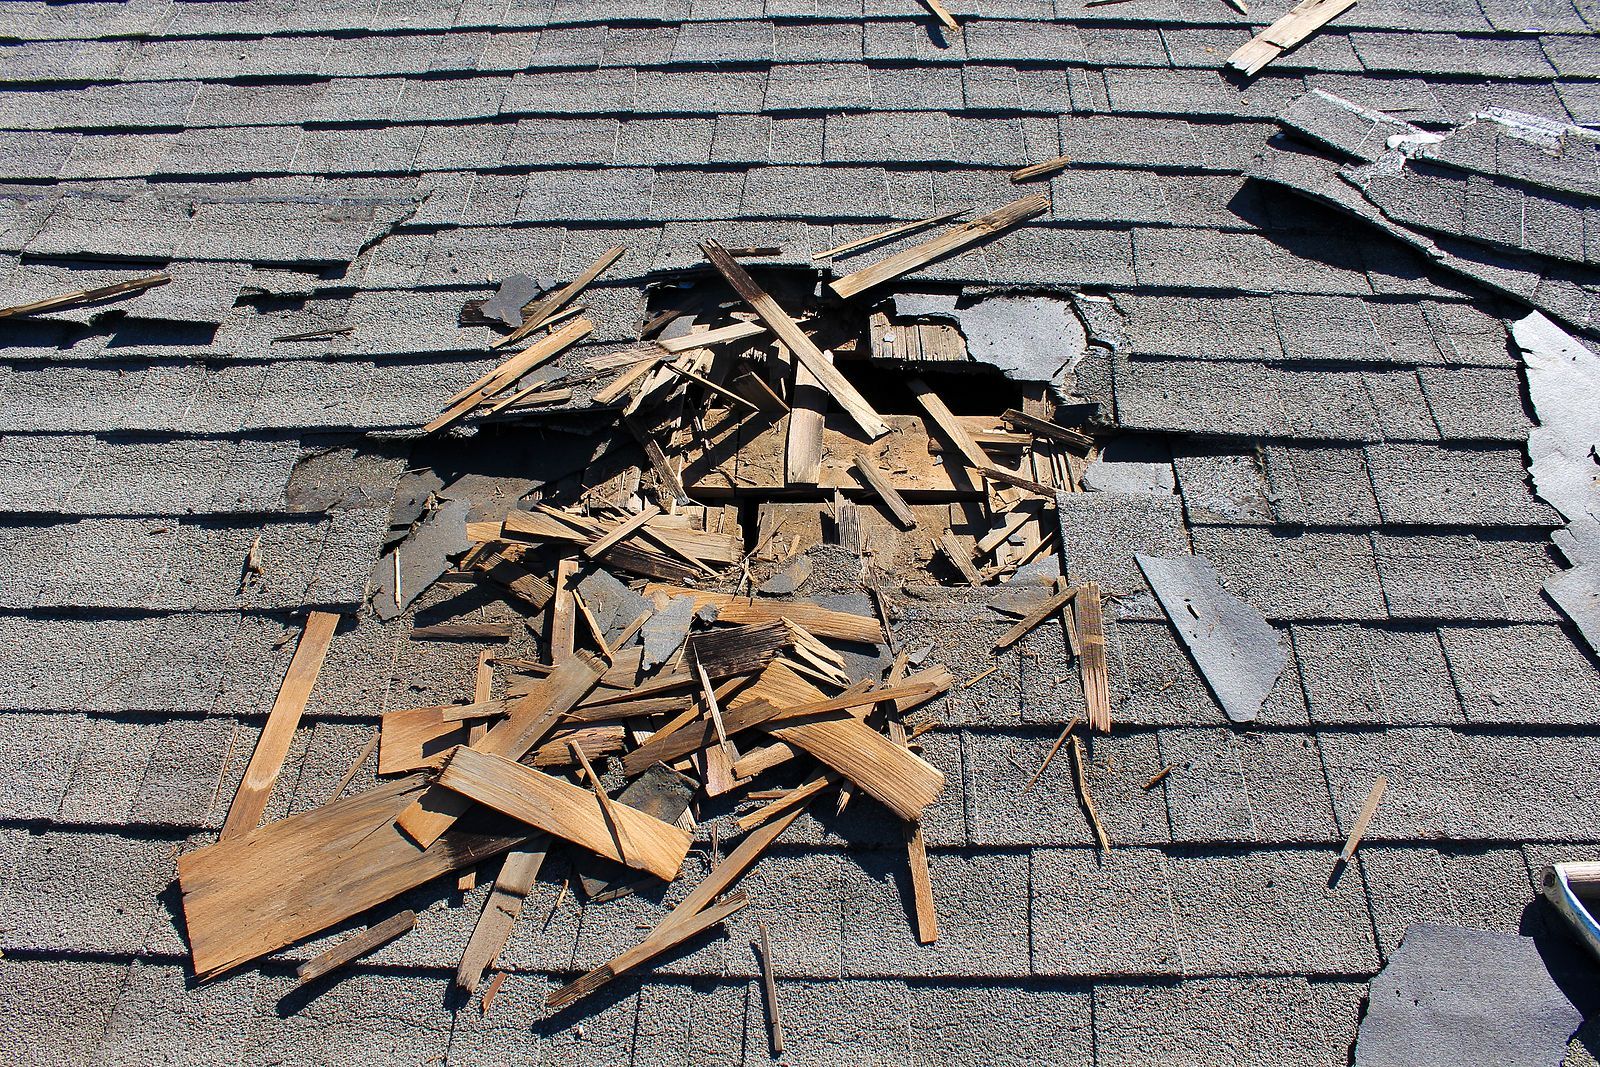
{"points": [[507, 373], [1298, 23], [770, 987], [1363, 820], [686, 919], [1081, 778], [1035, 171]]}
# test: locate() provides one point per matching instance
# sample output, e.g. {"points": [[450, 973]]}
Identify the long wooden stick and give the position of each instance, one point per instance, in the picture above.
{"points": [[1051, 755], [282, 722], [1046, 608], [770, 986], [684, 920], [545, 307], [662, 939], [86, 296], [1082, 779], [610, 813], [947, 243], [357, 945], [884, 235]]}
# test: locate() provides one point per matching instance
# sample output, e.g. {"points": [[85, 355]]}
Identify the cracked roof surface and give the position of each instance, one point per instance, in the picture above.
{"points": [[1345, 424]]}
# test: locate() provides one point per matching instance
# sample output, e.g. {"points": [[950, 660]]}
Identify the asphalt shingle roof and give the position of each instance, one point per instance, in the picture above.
{"points": [[1345, 421]]}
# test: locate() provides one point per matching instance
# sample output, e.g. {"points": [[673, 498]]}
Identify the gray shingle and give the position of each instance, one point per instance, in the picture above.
{"points": [[1485, 890], [1100, 532], [1260, 788], [1371, 675], [1433, 485], [1320, 486], [982, 900], [1078, 892], [1294, 576], [1521, 674], [1022, 1026], [1273, 1022], [1464, 577]]}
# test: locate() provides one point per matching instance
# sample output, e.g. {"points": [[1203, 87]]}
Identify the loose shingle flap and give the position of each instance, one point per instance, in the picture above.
{"points": [[1563, 380], [1239, 654], [1450, 204], [1454, 995]]}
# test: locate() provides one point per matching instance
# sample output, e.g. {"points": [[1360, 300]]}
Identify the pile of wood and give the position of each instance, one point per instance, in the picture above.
{"points": [[724, 683]]}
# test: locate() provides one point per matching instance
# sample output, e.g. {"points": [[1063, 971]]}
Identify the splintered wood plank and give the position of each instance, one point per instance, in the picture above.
{"points": [[1040, 612], [916, 848], [1007, 525], [686, 919], [1298, 23], [508, 372], [86, 296], [896, 504], [542, 310], [947, 243], [956, 434], [567, 811], [942, 13], [528, 720], [757, 461], [289, 879], [1078, 442], [501, 911], [802, 452], [355, 946], [277, 735], [738, 611], [789, 332], [660, 941], [720, 390], [624, 381], [688, 342], [1034, 171], [514, 578], [900, 780], [564, 612], [958, 557], [1090, 624]]}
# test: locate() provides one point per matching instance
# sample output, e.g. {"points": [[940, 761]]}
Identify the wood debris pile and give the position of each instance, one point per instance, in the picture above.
{"points": [[674, 654]]}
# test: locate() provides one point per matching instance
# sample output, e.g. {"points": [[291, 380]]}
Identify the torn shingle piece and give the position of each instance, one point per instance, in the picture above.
{"points": [[1239, 654], [1452, 995], [1339, 123]]}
